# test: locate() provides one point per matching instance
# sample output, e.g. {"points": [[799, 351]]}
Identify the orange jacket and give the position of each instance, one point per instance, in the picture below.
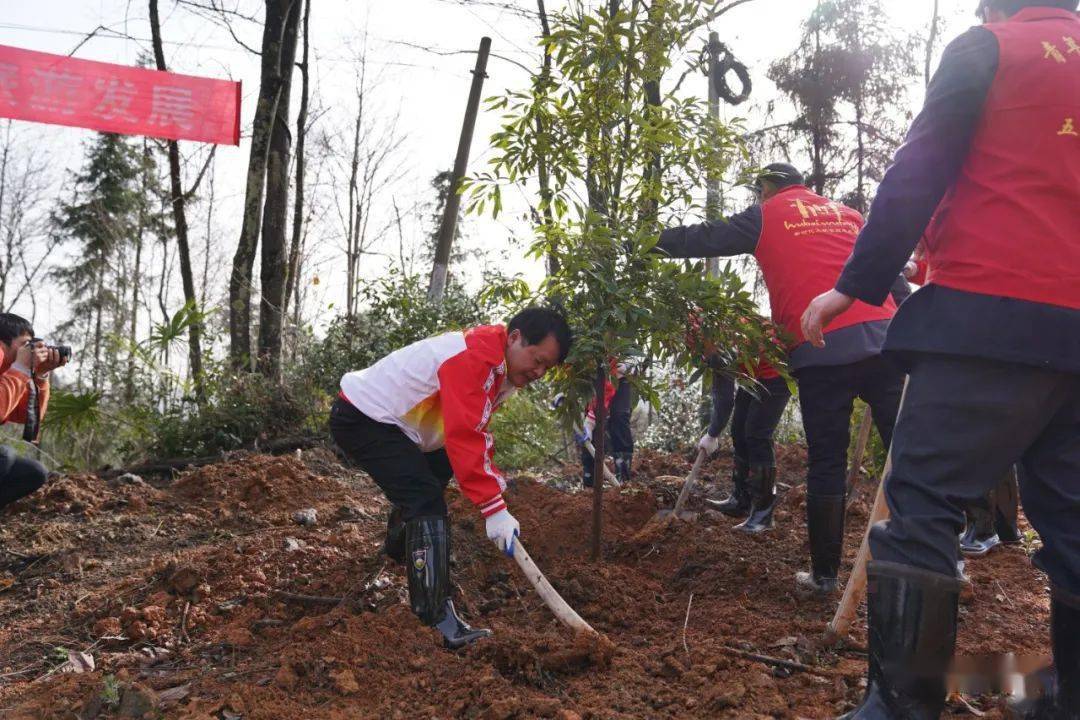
{"points": [[14, 394]]}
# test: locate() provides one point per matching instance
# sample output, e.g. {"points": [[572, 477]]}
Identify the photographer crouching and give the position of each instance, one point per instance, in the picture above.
{"points": [[24, 396]]}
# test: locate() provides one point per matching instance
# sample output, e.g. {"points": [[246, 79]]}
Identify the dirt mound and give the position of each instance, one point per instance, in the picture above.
{"points": [[257, 482], [212, 602], [87, 494]]}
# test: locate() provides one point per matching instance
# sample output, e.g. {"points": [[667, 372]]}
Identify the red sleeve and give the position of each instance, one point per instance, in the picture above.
{"points": [[465, 381], [919, 278], [13, 395], [609, 392]]}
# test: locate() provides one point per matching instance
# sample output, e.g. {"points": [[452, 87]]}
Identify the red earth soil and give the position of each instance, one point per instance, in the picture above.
{"points": [[203, 598]]}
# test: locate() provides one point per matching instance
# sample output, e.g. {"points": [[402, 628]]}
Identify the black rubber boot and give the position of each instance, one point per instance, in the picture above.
{"points": [[1006, 509], [762, 483], [1054, 692], [428, 543], [394, 544], [623, 463], [979, 537], [586, 468], [737, 504], [911, 633], [825, 526]]}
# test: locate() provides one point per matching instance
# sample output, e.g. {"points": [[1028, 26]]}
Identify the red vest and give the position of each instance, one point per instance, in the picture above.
{"points": [[1010, 225], [805, 241], [762, 371]]}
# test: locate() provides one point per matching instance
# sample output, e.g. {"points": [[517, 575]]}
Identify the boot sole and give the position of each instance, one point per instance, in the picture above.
{"points": [[969, 552], [806, 591], [715, 505], [458, 646]]}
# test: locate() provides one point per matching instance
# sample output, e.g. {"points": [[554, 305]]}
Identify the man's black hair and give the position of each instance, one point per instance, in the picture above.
{"points": [[1011, 7], [536, 323], [13, 326], [781, 175]]}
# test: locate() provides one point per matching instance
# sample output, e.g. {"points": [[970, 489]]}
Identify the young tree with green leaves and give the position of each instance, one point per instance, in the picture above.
{"points": [[621, 152]]}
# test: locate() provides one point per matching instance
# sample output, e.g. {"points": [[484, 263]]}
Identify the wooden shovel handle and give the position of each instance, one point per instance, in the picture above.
{"points": [[855, 588], [688, 485], [861, 441], [562, 611], [608, 475]]}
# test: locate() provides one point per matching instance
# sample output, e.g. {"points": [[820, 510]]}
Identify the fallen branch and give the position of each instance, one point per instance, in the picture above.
{"points": [[183, 623], [786, 664], [308, 599], [685, 624], [559, 607]]}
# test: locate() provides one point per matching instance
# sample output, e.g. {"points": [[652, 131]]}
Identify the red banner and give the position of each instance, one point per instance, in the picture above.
{"points": [[60, 90]]}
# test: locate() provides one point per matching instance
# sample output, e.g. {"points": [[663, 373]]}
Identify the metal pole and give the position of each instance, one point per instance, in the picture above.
{"points": [[712, 185], [437, 288]]}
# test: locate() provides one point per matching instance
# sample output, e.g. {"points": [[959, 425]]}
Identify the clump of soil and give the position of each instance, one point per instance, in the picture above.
{"points": [[204, 599]]}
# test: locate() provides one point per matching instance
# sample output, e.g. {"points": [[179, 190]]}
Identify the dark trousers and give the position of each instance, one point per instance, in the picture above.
{"points": [[826, 398], [965, 421], [722, 394], [412, 480], [619, 437], [18, 476], [754, 421]]}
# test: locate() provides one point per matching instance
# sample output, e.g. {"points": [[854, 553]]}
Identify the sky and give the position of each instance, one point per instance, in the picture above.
{"points": [[420, 93]]}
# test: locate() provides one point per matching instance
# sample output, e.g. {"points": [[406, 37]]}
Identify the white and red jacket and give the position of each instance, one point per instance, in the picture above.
{"points": [[441, 392]]}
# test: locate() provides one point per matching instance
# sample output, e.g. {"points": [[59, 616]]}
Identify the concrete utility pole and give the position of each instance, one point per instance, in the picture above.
{"points": [[437, 288], [712, 185]]}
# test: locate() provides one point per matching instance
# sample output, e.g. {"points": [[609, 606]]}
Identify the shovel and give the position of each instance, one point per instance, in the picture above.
{"points": [[665, 517], [609, 477], [559, 607]]}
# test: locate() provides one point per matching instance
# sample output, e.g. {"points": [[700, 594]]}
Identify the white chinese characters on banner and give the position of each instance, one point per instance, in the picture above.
{"points": [[41, 87]]}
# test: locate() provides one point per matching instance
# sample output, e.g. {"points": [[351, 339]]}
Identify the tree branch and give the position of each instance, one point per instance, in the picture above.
{"points": [[444, 52], [198, 179]]}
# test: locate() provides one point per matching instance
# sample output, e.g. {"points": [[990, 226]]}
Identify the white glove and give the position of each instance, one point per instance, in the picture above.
{"points": [[587, 431], [910, 269], [709, 444], [502, 528]]}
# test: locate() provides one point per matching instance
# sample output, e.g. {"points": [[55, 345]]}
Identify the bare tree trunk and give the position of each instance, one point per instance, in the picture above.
{"points": [[860, 192], [99, 292], [129, 381], [934, 27], [5, 268], [352, 252], [818, 134], [179, 213], [599, 431], [209, 233], [298, 205], [276, 211], [265, 112], [542, 164]]}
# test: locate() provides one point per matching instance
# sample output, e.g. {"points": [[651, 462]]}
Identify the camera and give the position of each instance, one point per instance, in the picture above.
{"points": [[63, 350]]}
